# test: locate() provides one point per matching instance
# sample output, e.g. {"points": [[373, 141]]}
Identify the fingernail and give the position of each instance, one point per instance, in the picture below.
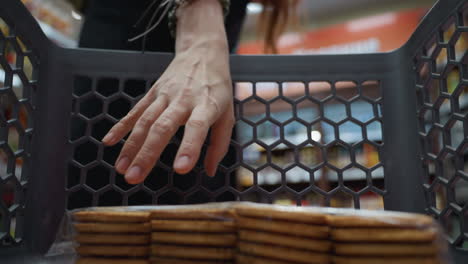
{"points": [[109, 138], [122, 164], [182, 162], [133, 174]]}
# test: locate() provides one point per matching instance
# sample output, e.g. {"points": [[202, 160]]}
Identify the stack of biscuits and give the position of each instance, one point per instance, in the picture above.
{"points": [[247, 233], [112, 237], [280, 237], [193, 235], [366, 238]]}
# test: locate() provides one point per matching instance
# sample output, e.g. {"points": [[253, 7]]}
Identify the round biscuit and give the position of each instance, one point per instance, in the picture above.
{"points": [[285, 213], [221, 214]]}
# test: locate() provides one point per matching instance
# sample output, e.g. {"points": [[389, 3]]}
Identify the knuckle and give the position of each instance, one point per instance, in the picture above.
{"points": [[145, 121], [164, 126], [197, 123], [131, 145]]}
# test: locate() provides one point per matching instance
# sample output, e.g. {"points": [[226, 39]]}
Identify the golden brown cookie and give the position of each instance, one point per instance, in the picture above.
{"points": [[286, 213], [193, 226], [386, 260], [160, 260], [113, 239], [284, 227], [113, 228], [385, 249], [192, 252], [111, 261], [195, 213], [380, 219], [383, 234], [206, 239], [112, 216], [282, 253], [113, 251], [285, 240]]}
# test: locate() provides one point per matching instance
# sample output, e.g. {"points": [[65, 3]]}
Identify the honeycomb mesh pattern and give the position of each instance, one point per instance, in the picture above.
{"points": [[442, 94], [18, 71], [326, 127]]}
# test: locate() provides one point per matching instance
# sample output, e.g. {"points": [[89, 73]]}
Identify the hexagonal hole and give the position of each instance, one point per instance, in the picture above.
{"points": [[463, 99], [453, 224], [10, 54], [285, 198], [243, 90], [100, 128], [350, 132], [226, 196], [91, 107], [335, 111], [266, 90], [19, 164], [79, 199], [374, 131], [441, 60], [268, 132], [328, 132], [253, 155], [74, 176], [282, 156], [28, 68], [453, 79], [320, 90], [4, 28], [295, 133], [448, 166], [98, 177], [371, 201], [432, 90], [107, 86], [158, 179], [245, 179], [367, 155], [253, 110], [307, 111], [310, 156], [11, 194], [269, 176], [110, 198], [297, 175], [354, 174], [119, 108], [460, 46], [26, 120], [199, 197], [338, 156], [169, 197], [111, 153], [362, 111], [423, 73], [13, 139], [3, 164], [448, 31], [135, 88], [140, 198], [457, 134], [460, 187], [281, 110], [86, 153], [440, 193], [293, 89], [185, 182], [346, 89], [245, 132], [371, 89], [434, 141], [378, 179], [18, 87], [82, 85], [342, 200], [77, 128]]}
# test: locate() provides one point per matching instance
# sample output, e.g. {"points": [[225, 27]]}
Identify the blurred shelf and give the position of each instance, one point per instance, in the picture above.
{"points": [[57, 36]]}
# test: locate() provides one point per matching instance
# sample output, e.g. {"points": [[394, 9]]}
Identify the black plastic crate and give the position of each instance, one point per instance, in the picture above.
{"points": [[422, 123]]}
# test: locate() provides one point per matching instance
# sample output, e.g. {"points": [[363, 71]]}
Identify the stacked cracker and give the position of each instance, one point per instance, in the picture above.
{"points": [[112, 237], [270, 235], [191, 235], [390, 238]]}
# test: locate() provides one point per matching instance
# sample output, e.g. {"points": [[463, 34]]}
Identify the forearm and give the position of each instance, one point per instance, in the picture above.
{"points": [[201, 25]]}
